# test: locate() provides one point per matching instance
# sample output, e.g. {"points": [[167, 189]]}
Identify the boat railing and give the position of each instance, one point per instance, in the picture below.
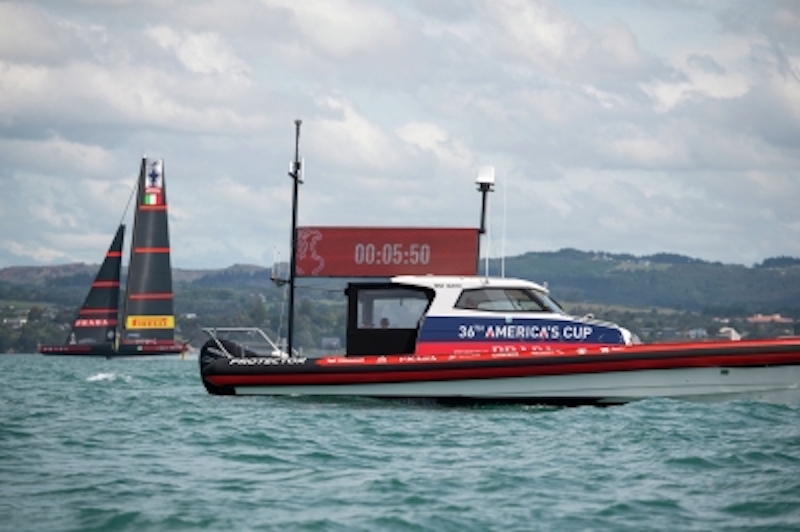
{"points": [[251, 338]]}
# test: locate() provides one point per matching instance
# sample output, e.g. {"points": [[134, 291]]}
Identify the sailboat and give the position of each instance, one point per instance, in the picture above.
{"points": [[145, 324]]}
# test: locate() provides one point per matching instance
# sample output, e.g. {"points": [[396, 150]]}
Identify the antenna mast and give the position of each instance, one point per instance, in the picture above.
{"points": [[296, 173], [485, 182]]}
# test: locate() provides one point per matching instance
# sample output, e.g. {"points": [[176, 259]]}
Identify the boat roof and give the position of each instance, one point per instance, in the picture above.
{"points": [[438, 282]]}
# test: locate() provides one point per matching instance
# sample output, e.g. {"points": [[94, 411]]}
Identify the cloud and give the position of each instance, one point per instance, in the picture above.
{"points": [[345, 137], [340, 28], [555, 44], [667, 126], [28, 33], [701, 76], [40, 254], [200, 53], [433, 138], [86, 93], [56, 154]]}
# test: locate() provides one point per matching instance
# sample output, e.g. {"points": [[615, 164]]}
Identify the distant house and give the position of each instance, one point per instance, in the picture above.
{"points": [[768, 318], [697, 334], [15, 323]]}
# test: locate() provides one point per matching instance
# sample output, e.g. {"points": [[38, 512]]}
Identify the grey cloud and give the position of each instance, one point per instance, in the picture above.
{"points": [[602, 143]]}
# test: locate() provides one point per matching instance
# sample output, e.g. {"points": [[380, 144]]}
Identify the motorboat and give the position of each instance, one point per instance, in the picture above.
{"points": [[471, 338], [485, 339]]}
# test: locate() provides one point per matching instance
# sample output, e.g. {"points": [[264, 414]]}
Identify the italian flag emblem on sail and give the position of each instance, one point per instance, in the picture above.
{"points": [[151, 198]]}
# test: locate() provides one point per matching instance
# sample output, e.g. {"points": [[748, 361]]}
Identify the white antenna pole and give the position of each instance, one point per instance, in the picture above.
{"points": [[485, 182], [503, 237], [488, 240]]}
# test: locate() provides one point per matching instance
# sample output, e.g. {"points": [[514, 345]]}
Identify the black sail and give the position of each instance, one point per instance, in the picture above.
{"points": [[149, 311], [97, 319]]}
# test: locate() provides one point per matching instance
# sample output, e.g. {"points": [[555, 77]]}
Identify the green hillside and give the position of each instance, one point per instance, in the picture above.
{"points": [[659, 297], [663, 280]]}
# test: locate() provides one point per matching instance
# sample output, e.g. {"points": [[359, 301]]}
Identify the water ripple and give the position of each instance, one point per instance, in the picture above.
{"points": [[139, 445]]}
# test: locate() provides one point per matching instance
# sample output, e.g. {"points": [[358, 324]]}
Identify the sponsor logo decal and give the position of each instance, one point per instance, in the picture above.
{"points": [[539, 332], [150, 322], [266, 361], [154, 183], [101, 322], [567, 332]]}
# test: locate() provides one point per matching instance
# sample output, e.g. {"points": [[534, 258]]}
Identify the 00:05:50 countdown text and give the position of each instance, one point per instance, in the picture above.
{"points": [[392, 254]]}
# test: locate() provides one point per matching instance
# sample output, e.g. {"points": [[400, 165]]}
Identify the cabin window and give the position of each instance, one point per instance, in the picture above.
{"points": [[506, 300], [391, 309]]}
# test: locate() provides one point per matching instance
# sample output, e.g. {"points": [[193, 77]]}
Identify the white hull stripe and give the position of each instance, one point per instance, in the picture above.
{"points": [[767, 383]]}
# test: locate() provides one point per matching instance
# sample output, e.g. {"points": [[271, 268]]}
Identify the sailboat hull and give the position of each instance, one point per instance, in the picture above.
{"points": [[110, 352], [764, 370]]}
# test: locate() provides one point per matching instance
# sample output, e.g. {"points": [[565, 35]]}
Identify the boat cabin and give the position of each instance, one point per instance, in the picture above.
{"points": [[439, 314], [384, 318]]}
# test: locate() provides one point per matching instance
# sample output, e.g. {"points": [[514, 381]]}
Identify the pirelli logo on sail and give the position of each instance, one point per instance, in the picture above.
{"points": [[150, 322]]}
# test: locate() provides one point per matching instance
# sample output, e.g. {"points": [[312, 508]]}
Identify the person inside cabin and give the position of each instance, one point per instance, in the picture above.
{"points": [[470, 303], [384, 323]]}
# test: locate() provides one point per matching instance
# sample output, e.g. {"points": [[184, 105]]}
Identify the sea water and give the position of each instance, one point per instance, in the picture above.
{"points": [[95, 444]]}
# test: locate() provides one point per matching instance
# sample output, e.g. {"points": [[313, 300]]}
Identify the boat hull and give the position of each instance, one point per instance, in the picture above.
{"points": [[108, 351], [765, 370]]}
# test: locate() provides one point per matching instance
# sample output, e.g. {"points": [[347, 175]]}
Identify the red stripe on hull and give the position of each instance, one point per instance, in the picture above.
{"points": [[65, 349], [521, 347], [153, 296]]}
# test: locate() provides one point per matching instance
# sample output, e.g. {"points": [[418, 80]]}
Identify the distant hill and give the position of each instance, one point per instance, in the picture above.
{"points": [[660, 297], [237, 275], [41, 274], [663, 280], [38, 275], [660, 280]]}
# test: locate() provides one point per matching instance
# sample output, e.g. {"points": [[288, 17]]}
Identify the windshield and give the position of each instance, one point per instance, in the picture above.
{"points": [[507, 299]]}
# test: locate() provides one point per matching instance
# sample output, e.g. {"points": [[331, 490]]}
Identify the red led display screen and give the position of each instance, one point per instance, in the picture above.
{"points": [[385, 251]]}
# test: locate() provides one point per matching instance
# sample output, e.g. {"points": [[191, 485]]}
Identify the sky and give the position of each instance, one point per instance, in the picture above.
{"points": [[637, 126]]}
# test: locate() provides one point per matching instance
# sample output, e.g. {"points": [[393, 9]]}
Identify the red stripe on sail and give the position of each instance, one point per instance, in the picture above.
{"points": [[92, 311], [155, 295], [105, 284], [152, 250], [162, 207], [114, 254]]}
